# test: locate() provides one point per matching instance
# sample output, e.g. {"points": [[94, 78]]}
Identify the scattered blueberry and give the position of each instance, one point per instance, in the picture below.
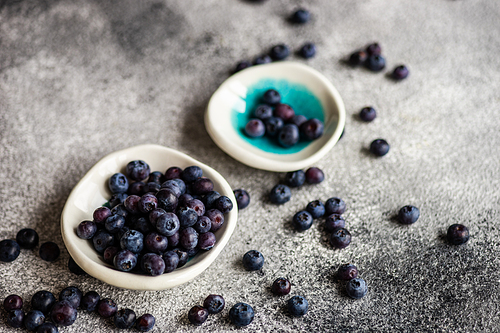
{"points": [[241, 314], [106, 308], [242, 198], [308, 50], [347, 272], [27, 238], [400, 72], [334, 206], [408, 214], [280, 194], [124, 318], [43, 300], [295, 178], [33, 319], [89, 301], [457, 234], [145, 323], [302, 220], [281, 286], [340, 238], [12, 302], [367, 114], [356, 288], [214, 304], [63, 313], [300, 16], [253, 260], [271, 97], [197, 315], [374, 49], [49, 251], [357, 58], [379, 147], [279, 52], [333, 222], [15, 318], [138, 170], [71, 294], [314, 175], [375, 63], [297, 306], [118, 183], [316, 208], [255, 128], [9, 250]]}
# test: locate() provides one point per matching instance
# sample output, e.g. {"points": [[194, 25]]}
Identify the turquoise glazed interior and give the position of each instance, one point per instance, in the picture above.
{"points": [[302, 100]]}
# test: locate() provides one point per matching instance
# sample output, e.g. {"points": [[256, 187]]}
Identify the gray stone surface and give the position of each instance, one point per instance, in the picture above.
{"points": [[81, 79]]}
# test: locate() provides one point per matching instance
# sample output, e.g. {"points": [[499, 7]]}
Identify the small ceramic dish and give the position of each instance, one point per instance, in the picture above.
{"points": [[306, 90], [92, 192]]}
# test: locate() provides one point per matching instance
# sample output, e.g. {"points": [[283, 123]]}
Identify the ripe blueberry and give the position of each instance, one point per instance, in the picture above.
{"points": [[375, 63], [400, 72], [367, 114], [408, 214], [145, 323], [279, 52], [340, 238], [9, 250], [314, 175], [300, 16], [124, 318], [280, 194], [49, 251], [242, 198], [457, 234], [253, 260], [334, 206], [281, 286], [379, 147], [295, 178], [241, 314], [308, 50], [27, 238], [347, 272], [302, 220], [255, 128], [297, 306], [271, 97], [197, 315], [356, 288], [214, 304]]}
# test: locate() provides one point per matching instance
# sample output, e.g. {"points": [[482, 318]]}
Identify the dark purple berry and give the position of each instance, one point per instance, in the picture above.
{"points": [[263, 112], [173, 173], [12, 302], [156, 243], [132, 240], [167, 200], [167, 224], [197, 315], [242, 65], [284, 111], [333, 222], [27, 238], [271, 97], [273, 126], [295, 178], [118, 183], [209, 199], [118, 209], [171, 260], [47, 327], [297, 306], [457, 234], [197, 205], [71, 294], [312, 129], [400, 72], [302, 220], [173, 241], [204, 224], [124, 318], [242, 198], [347, 272], [255, 128], [89, 301], [63, 313], [125, 260], [216, 218], [202, 186], [367, 114], [241, 314], [9, 250], [357, 58], [300, 16], [188, 238], [151, 188], [191, 173], [101, 240], [49, 251], [308, 50], [117, 199], [288, 136], [148, 203], [314, 175], [356, 288], [334, 206], [379, 147], [106, 308], [297, 120], [340, 238], [280, 194], [15, 318], [408, 214], [316, 208], [101, 214], [375, 63], [253, 260], [145, 323], [43, 300], [138, 170], [187, 217], [263, 59], [132, 204], [86, 229], [279, 52], [223, 204], [136, 188], [281, 286], [113, 224], [374, 49], [74, 268], [109, 254], [214, 304], [206, 241]]}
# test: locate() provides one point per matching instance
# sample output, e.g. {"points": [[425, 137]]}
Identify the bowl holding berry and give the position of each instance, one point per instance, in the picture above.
{"points": [[281, 116], [148, 218]]}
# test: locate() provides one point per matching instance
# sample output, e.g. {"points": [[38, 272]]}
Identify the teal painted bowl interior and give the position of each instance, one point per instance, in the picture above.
{"points": [[302, 100]]}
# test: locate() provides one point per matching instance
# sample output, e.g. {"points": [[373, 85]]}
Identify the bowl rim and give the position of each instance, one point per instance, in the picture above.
{"points": [[135, 281], [262, 159]]}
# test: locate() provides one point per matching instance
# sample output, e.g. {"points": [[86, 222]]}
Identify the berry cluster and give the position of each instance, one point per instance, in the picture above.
{"points": [[278, 120], [47, 312], [281, 193], [156, 221], [27, 239], [355, 287], [213, 304]]}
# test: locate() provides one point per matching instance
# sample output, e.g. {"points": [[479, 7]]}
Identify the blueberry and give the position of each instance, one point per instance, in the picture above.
{"points": [[242, 65], [109, 254], [253, 260], [280, 194], [12, 302], [120, 210], [49, 251], [316, 208], [173, 241], [87, 229], [302, 220], [63, 313], [197, 315], [156, 243], [197, 205], [263, 112], [124, 318], [125, 260], [43, 300], [191, 173], [279, 52], [263, 59], [145, 323], [167, 200], [374, 49], [101, 240], [167, 224], [457, 234], [138, 170], [139, 223], [15, 318], [312, 129], [340, 238], [47, 327], [295, 178], [27, 238], [255, 128], [281, 286], [297, 306], [379, 147], [202, 186], [187, 217], [214, 304], [288, 136], [204, 224], [408, 214], [242, 198], [71, 294], [117, 199], [297, 120], [175, 186], [188, 238], [147, 203], [132, 240], [112, 225], [216, 218], [347, 272], [273, 126], [131, 204], [209, 199], [118, 183], [171, 260], [300, 16], [271, 97], [223, 204], [101, 214], [152, 264], [375, 63], [356, 288], [106, 308], [308, 50], [151, 188], [334, 206], [314, 175], [241, 314], [206, 241], [357, 58], [400, 72], [367, 114], [137, 188], [89, 301], [9, 250], [333, 222], [173, 172], [284, 111]]}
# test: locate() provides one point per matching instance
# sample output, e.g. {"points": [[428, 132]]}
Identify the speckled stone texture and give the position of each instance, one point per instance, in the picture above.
{"points": [[81, 79]]}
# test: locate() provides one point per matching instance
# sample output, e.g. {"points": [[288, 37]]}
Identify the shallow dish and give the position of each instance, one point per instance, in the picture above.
{"points": [[92, 192], [305, 89]]}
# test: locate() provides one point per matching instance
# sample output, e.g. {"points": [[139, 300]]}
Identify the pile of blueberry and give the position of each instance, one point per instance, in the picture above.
{"points": [[281, 193], [371, 58], [355, 287], [155, 222], [27, 238], [279, 121], [47, 312]]}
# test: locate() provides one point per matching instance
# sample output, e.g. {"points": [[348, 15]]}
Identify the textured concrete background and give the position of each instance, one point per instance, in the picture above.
{"points": [[81, 79]]}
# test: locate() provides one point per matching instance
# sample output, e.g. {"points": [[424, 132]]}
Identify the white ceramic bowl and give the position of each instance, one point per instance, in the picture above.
{"points": [[92, 192], [231, 103]]}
